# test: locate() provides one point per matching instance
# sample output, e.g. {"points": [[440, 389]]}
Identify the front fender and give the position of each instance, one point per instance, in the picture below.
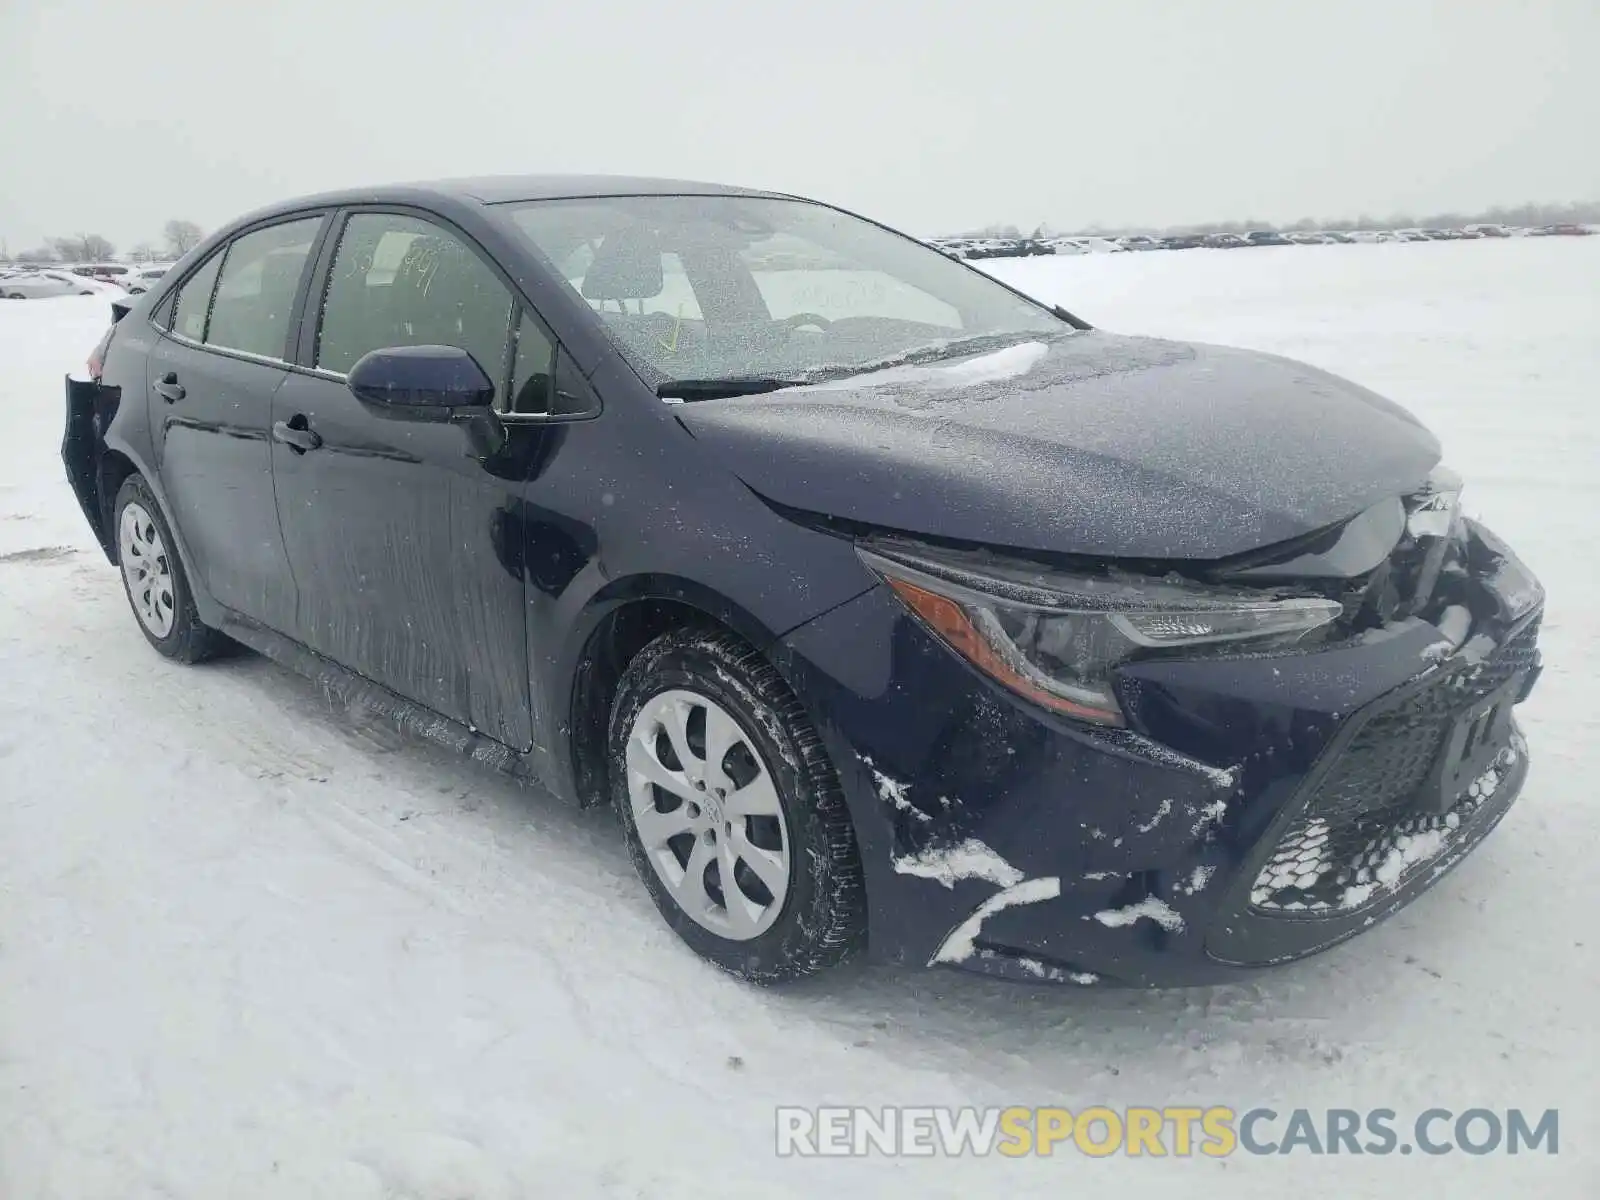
{"points": [[679, 590]]}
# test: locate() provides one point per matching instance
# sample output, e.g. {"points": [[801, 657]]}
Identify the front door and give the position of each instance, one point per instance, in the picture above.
{"points": [[212, 376], [394, 530]]}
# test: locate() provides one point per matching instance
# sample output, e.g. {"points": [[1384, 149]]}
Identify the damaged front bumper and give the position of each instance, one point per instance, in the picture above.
{"points": [[1258, 809]]}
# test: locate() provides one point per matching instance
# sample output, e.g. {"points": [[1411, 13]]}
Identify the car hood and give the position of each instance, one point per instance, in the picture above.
{"points": [[1090, 444]]}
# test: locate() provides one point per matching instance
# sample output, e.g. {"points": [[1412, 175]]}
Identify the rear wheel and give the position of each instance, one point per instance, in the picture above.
{"points": [[732, 811], [153, 577]]}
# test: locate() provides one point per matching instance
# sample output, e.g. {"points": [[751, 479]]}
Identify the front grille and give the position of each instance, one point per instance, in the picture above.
{"points": [[1359, 815], [1390, 757]]}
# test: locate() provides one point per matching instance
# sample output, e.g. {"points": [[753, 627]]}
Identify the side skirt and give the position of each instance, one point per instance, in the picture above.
{"points": [[357, 691]]}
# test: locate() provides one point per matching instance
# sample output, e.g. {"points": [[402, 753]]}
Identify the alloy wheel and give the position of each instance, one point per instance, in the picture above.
{"points": [[146, 570], [708, 814]]}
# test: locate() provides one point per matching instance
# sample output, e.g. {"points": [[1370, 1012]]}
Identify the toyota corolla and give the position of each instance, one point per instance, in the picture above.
{"points": [[890, 608]]}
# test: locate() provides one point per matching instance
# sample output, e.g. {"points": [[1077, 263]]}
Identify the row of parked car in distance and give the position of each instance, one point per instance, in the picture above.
{"points": [[1014, 247], [34, 281]]}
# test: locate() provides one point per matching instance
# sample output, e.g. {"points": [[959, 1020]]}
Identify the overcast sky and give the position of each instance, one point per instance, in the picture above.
{"points": [[117, 114]]}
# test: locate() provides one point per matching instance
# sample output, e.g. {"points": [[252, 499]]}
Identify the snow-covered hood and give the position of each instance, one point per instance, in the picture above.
{"points": [[1095, 444]]}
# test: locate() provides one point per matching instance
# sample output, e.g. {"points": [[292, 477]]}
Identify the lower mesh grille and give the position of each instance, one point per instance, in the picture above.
{"points": [[1359, 832], [1322, 867]]}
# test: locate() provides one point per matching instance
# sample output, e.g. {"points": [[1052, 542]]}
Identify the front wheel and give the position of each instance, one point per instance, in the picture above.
{"points": [[732, 812], [153, 577]]}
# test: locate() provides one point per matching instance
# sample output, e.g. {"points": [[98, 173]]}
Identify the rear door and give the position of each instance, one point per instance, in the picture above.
{"points": [[396, 532], [211, 380]]}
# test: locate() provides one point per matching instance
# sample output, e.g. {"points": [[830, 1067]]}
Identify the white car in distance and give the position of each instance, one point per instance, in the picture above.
{"points": [[143, 277], [37, 285]]}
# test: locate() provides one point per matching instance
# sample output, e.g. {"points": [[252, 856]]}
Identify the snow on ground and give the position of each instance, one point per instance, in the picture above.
{"points": [[250, 947]]}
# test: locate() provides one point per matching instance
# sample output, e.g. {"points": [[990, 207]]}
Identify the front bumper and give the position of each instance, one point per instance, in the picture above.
{"points": [[1259, 809]]}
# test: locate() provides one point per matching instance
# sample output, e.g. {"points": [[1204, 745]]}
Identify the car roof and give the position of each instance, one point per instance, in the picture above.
{"points": [[503, 189], [493, 189]]}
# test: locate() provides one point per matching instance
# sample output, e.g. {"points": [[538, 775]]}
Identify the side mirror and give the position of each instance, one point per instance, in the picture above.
{"points": [[435, 380]]}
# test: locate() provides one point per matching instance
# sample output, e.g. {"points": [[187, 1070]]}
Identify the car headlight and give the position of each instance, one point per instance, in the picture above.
{"points": [[1055, 639]]}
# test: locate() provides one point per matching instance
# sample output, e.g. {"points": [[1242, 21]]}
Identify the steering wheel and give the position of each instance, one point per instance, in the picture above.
{"points": [[801, 319]]}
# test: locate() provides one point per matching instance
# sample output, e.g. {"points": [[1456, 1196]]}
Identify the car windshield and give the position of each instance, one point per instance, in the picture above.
{"points": [[744, 288]]}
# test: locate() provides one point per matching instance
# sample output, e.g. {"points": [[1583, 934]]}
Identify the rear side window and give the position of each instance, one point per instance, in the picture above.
{"points": [[401, 281], [194, 301], [256, 292]]}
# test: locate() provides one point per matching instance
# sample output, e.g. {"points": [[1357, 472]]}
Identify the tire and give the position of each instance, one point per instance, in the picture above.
{"points": [[153, 578], [15, 296], [798, 831]]}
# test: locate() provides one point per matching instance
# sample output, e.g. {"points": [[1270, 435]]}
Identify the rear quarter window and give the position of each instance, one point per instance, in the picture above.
{"points": [[194, 301]]}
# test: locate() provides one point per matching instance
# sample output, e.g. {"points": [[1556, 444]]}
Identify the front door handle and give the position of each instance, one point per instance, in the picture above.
{"points": [[296, 434], [169, 387]]}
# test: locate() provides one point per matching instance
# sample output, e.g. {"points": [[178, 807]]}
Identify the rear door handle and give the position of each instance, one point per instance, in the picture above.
{"points": [[295, 434], [169, 387]]}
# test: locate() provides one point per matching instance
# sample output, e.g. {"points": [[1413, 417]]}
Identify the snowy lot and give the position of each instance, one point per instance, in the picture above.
{"points": [[250, 948]]}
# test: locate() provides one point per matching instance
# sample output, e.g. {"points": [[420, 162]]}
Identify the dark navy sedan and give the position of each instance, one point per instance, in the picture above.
{"points": [[889, 608]]}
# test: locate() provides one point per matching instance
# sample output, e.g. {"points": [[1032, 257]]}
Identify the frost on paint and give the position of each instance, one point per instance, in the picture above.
{"points": [[959, 945], [970, 859], [1161, 815], [1207, 815], [1152, 907], [893, 792], [1044, 971], [1221, 778]]}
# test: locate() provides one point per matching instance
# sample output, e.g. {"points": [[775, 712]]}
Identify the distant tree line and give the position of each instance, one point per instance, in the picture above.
{"points": [[1579, 213], [179, 237]]}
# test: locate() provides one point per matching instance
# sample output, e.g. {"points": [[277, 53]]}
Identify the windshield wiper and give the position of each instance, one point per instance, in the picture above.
{"points": [[713, 389], [977, 343]]}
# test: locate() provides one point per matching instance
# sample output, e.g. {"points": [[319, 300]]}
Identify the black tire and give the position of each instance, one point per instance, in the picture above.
{"points": [[823, 918], [188, 641]]}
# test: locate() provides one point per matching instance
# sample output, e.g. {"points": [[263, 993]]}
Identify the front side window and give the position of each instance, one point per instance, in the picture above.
{"points": [[194, 300], [731, 287], [401, 281], [533, 371], [255, 295]]}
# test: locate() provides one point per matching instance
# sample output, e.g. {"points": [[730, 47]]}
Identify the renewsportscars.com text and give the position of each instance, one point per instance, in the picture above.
{"points": [[1177, 1131]]}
